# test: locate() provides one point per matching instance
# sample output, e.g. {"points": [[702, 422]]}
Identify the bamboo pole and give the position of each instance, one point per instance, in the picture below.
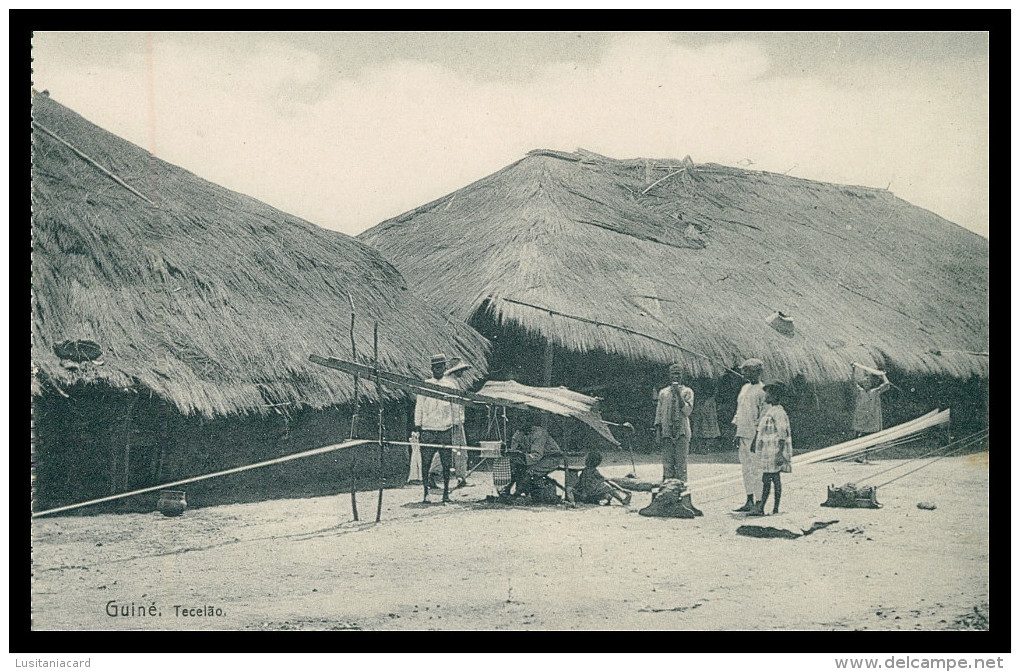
{"points": [[93, 162], [379, 395], [597, 323], [547, 366], [286, 458], [354, 420], [659, 181], [912, 427]]}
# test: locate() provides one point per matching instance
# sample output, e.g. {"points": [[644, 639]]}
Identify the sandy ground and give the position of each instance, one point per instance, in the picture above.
{"points": [[303, 564]]}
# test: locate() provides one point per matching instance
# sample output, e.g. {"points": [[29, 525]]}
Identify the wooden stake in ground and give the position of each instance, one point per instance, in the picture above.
{"points": [[354, 420], [379, 395], [547, 367]]}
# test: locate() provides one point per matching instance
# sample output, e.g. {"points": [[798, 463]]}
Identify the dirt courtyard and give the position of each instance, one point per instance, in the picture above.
{"points": [[301, 564]]}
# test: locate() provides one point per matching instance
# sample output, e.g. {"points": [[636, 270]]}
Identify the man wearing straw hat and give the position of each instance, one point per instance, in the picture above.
{"points": [[460, 457], [433, 423], [673, 425], [750, 404]]}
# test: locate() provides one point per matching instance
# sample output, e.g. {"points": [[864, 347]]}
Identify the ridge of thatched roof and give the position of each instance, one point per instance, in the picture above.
{"points": [[204, 296], [702, 255]]}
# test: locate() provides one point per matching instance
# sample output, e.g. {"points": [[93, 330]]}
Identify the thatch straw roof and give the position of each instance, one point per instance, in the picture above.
{"points": [[206, 297], [702, 255]]}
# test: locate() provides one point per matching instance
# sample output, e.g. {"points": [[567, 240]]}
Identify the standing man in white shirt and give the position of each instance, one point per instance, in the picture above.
{"points": [[460, 455], [433, 422], [750, 404]]}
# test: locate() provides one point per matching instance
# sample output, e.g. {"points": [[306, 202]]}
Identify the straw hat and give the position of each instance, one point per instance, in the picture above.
{"points": [[456, 365], [439, 359], [675, 368], [751, 363]]}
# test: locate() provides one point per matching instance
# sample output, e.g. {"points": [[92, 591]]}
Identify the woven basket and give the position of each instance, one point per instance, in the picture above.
{"points": [[501, 474]]}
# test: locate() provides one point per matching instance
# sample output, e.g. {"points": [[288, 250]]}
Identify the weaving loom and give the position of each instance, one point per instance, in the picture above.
{"points": [[497, 396]]}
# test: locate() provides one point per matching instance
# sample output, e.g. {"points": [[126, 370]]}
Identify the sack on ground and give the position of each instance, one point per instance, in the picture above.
{"points": [[543, 491], [669, 503]]}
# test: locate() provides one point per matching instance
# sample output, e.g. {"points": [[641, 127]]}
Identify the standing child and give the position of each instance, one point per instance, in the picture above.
{"points": [[773, 446], [593, 488]]}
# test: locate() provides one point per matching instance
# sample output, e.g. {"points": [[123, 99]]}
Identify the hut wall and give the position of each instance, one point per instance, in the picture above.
{"points": [[79, 451], [77, 446], [820, 414]]}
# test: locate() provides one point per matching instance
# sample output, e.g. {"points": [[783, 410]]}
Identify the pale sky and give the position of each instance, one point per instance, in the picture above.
{"points": [[349, 129]]}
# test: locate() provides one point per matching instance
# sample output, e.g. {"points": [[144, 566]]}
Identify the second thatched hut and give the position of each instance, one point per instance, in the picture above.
{"points": [[595, 273]]}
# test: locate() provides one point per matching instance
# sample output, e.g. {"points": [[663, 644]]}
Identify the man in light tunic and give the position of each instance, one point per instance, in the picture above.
{"points": [[460, 455], [750, 404], [433, 423], [673, 425]]}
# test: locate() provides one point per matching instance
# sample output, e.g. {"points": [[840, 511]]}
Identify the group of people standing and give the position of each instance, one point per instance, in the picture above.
{"points": [[762, 433], [532, 454]]}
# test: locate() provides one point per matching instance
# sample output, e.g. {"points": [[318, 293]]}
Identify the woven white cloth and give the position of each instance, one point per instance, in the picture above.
{"points": [[415, 473], [750, 467]]}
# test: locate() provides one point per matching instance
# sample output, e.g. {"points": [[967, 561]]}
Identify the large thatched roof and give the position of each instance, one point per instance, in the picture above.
{"points": [[201, 295], [702, 255]]}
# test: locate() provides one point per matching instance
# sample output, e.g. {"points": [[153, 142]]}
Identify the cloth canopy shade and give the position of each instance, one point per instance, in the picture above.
{"points": [[558, 400]]}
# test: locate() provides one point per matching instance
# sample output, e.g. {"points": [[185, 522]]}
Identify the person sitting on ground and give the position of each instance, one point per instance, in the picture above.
{"points": [[593, 488], [533, 453], [773, 445]]}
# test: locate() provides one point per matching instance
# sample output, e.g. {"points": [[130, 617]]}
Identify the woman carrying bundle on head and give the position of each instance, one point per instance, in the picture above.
{"points": [[869, 386]]}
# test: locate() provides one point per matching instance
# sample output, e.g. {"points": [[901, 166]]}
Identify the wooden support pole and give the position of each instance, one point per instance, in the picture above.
{"points": [[114, 467], [548, 364], [164, 438], [122, 437], [547, 375], [127, 464], [354, 484], [379, 395], [354, 419]]}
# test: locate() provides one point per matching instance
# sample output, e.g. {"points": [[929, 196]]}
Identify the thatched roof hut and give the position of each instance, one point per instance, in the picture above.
{"points": [[701, 255], [205, 297]]}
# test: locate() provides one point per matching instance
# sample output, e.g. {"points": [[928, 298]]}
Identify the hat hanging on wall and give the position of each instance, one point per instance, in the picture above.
{"points": [[781, 322], [78, 351]]}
